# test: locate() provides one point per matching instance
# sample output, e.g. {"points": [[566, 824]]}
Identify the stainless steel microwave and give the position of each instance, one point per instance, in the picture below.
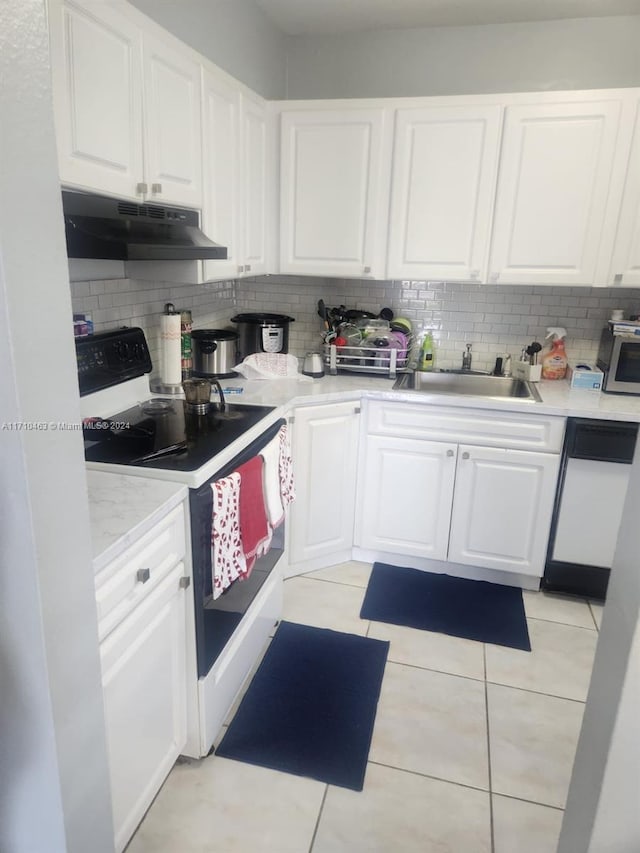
{"points": [[619, 359]]}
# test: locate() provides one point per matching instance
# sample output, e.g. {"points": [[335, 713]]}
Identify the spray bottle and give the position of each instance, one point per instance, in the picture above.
{"points": [[554, 361]]}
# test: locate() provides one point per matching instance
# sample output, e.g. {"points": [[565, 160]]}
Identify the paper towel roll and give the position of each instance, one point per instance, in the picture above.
{"points": [[170, 349]]}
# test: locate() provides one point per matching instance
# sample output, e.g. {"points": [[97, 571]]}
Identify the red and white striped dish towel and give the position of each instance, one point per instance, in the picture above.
{"points": [[228, 562]]}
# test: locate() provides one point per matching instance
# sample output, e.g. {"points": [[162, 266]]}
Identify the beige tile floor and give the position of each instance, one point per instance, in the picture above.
{"points": [[471, 753]]}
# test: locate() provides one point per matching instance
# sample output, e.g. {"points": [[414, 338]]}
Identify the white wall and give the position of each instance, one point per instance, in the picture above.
{"points": [[54, 791], [572, 54], [602, 813], [234, 34]]}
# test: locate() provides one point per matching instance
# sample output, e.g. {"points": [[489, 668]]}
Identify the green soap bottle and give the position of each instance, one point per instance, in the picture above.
{"points": [[427, 353]]}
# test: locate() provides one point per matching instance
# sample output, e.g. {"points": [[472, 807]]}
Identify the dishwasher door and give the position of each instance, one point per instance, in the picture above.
{"points": [[591, 492]]}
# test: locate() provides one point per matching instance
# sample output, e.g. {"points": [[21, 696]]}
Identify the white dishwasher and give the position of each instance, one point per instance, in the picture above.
{"points": [[592, 488]]}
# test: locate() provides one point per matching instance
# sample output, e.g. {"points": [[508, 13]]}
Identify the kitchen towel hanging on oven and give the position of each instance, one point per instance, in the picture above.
{"points": [[228, 560], [278, 476]]}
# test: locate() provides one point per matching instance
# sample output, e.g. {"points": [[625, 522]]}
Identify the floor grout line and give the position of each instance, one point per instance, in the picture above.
{"points": [[486, 710], [320, 810]]}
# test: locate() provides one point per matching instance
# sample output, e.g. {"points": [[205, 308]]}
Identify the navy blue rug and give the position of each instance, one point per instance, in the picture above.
{"points": [[311, 706], [475, 610]]}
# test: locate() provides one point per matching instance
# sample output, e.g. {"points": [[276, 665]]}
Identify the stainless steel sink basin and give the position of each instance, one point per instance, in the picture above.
{"points": [[469, 385]]}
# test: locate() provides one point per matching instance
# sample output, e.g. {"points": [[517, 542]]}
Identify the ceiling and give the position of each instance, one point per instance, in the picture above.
{"points": [[316, 17]]}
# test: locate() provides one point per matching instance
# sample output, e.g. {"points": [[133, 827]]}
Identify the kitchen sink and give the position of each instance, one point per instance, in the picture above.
{"points": [[468, 384]]}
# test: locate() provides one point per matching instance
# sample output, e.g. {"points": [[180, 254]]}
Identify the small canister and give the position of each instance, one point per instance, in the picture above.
{"points": [[186, 324]]}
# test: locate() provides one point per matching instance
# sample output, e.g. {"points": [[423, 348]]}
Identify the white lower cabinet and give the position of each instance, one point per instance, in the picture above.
{"points": [[405, 496], [502, 509], [324, 450], [468, 504], [143, 656]]}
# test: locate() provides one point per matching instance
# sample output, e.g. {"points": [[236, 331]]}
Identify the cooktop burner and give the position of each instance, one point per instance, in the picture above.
{"points": [[162, 433]]}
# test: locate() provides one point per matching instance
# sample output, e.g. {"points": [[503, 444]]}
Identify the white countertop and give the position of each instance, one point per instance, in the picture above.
{"points": [[557, 396], [123, 508]]}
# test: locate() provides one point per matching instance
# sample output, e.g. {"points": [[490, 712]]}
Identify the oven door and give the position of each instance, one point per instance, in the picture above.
{"points": [[623, 376], [216, 620]]}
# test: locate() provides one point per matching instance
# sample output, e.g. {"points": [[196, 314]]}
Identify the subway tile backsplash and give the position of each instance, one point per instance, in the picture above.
{"points": [[496, 319]]}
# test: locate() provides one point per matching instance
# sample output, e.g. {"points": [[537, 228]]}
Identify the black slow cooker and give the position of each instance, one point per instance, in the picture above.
{"points": [[262, 333]]}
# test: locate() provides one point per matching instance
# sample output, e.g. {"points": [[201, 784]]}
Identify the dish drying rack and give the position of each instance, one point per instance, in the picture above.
{"points": [[385, 361]]}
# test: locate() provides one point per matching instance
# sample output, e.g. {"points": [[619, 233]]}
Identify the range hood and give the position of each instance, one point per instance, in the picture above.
{"points": [[109, 228]]}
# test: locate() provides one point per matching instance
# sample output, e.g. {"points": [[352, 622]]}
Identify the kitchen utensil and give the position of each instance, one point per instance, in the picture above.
{"points": [[214, 352], [401, 324], [386, 314], [313, 365], [323, 313], [532, 351], [355, 314], [197, 393]]}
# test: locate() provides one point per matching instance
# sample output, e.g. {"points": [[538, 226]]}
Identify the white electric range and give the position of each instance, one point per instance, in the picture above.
{"points": [[128, 430]]}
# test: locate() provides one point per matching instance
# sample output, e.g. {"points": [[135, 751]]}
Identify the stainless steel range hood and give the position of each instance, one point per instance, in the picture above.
{"points": [[108, 228]]}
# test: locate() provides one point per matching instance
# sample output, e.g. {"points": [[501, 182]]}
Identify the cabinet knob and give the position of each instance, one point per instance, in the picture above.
{"points": [[366, 270], [465, 455], [185, 582], [617, 279], [141, 188], [450, 453], [156, 189], [474, 273], [494, 276], [240, 268], [143, 575], [247, 267]]}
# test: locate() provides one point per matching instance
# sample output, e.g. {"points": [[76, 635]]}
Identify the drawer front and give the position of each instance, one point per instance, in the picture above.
{"points": [[125, 582], [467, 426]]}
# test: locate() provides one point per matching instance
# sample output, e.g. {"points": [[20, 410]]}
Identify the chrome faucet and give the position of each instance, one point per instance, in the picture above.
{"points": [[466, 358]]}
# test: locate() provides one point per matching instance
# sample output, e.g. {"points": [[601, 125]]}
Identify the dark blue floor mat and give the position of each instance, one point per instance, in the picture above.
{"points": [[311, 706], [475, 610]]}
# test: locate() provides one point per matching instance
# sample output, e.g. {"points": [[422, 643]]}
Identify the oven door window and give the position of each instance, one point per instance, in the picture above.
{"points": [[628, 366]]}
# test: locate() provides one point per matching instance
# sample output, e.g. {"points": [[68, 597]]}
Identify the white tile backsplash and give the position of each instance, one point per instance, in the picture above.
{"points": [[496, 319]]}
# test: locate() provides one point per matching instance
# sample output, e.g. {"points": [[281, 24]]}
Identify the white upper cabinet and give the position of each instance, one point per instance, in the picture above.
{"points": [[333, 192], [625, 268], [126, 104], [445, 164], [258, 168], [97, 93], [557, 166], [221, 171], [173, 148]]}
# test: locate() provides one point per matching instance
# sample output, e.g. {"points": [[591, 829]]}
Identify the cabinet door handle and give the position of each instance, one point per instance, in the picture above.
{"points": [[465, 455], [141, 188], [617, 279], [185, 582], [247, 267], [366, 270], [494, 276], [143, 575], [474, 273], [156, 189], [450, 453], [240, 268]]}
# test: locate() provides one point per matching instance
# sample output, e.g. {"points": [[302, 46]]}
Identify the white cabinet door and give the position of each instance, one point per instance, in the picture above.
{"points": [[404, 496], [553, 195], [334, 190], [625, 268], [97, 92], [502, 508], [445, 164], [144, 683], [172, 129], [256, 196], [324, 450], [221, 172]]}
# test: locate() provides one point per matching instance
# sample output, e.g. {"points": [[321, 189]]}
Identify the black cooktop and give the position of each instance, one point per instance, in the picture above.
{"points": [[162, 433]]}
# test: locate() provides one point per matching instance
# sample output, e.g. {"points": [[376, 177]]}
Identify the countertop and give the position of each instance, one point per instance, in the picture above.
{"points": [[123, 508], [558, 398]]}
